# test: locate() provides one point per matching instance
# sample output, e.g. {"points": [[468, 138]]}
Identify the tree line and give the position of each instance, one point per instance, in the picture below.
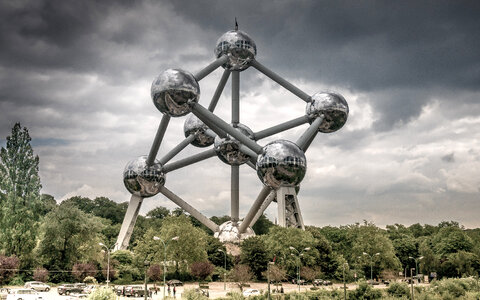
{"points": [[59, 242]]}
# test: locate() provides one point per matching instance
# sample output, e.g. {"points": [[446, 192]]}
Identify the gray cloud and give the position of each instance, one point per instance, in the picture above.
{"points": [[78, 75]]}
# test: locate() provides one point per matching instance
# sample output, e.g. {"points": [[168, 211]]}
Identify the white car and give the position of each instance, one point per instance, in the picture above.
{"points": [[251, 292], [24, 294], [37, 285]]}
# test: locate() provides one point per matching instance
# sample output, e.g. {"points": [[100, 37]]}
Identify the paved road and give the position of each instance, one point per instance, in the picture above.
{"points": [[216, 290]]}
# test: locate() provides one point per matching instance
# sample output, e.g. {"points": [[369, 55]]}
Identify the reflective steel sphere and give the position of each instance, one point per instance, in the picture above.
{"points": [[228, 148], [194, 125], [239, 47], [173, 91], [141, 180], [333, 106], [282, 163]]}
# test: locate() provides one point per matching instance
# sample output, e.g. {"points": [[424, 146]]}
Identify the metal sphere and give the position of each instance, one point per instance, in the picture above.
{"points": [[282, 163], [228, 149], [333, 106], [228, 233], [239, 47], [142, 180], [194, 125], [174, 91]]}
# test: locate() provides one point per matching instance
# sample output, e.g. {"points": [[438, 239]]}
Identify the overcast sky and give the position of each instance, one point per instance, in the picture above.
{"points": [[77, 74]]}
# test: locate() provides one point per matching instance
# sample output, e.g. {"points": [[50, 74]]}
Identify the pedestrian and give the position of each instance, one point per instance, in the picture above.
{"points": [[168, 290], [174, 291]]}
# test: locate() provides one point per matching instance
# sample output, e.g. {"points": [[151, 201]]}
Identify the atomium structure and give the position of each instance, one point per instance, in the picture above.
{"points": [[280, 165]]}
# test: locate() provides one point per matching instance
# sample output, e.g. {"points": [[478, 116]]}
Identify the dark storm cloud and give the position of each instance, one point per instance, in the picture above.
{"points": [[411, 50]]}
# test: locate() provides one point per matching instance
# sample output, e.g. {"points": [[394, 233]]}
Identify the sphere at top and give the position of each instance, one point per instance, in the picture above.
{"points": [[282, 163], [194, 125], [239, 47], [142, 180], [173, 91], [334, 108], [228, 149]]}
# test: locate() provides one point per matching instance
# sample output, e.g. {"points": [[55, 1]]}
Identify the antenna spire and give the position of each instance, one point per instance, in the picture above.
{"points": [[236, 24]]}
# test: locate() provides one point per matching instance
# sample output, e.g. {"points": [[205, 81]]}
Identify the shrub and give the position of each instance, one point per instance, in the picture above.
{"points": [[103, 293], [40, 274], [17, 280], [365, 291], [398, 289], [90, 279], [191, 294]]}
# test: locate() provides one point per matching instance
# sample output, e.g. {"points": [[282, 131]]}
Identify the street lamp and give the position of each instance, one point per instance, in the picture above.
{"points": [[299, 262], [344, 284], [156, 238], [225, 272], [416, 264], [371, 264], [108, 260]]}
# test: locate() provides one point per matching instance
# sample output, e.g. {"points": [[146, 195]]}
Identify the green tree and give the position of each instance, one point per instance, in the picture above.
{"points": [[69, 236], [369, 241], [255, 255], [262, 226], [19, 196], [216, 257]]}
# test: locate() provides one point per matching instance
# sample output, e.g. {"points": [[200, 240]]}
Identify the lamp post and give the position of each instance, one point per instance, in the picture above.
{"points": [[108, 260], [344, 284], [371, 264], [411, 282], [156, 238], [225, 272], [416, 264], [299, 262]]}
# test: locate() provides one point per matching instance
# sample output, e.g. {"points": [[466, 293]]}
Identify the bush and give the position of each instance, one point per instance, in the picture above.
{"points": [[17, 280], [192, 294], [90, 280], [365, 291], [103, 293], [398, 289]]}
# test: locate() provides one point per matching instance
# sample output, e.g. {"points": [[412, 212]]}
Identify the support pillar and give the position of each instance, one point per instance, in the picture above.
{"points": [[128, 223], [289, 214]]}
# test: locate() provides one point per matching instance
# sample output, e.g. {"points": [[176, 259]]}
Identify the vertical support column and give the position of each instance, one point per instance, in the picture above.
{"points": [[235, 97], [234, 193], [128, 223], [289, 214], [235, 178]]}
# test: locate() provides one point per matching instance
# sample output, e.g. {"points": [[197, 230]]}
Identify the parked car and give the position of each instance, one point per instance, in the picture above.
{"points": [[134, 291], [3, 293], [24, 294], [300, 282], [67, 289], [174, 282], [89, 289], [78, 297], [317, 282], [251, 292], [37, 285]]}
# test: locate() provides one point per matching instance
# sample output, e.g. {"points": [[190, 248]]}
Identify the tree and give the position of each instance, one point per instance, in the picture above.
{"points": [[263, 225], [241, 274], [68, 235], [155, 272], [40, 274], [8, 268], [215, 256], [19, 196], [201, 269], [159, 212], [82, 270], [255, 255]]}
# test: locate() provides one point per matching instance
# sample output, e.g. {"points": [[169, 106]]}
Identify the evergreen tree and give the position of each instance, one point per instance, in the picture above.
{"points": [[20, 200]]}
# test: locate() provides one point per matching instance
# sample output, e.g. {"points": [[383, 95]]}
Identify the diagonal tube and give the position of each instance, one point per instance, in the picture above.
{"points": [[280, 127], [188, 208], [158, 139], [206, 116], [219, 90], [296, 91], [210, 68], [189, 160], [177, 149], [308, 136], [263, 207], [253, 210], [128, 223]]}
